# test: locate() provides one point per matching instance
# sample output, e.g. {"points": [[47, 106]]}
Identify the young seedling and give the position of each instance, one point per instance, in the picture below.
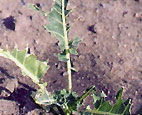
{"points": [[65, 101]]}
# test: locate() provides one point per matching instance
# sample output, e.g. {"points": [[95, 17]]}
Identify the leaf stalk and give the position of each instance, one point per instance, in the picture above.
{"points": [[67, 48]]}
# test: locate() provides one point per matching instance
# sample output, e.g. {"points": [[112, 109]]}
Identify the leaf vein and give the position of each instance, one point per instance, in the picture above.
{"points": [[57, 11], [56, 33], [55, 19]]}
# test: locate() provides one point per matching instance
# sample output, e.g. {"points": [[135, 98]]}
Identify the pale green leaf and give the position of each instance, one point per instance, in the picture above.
{"points": [[44, 98], [73, 45], [73, 51], [76, 41], [28, 63], [55, 26], [62, 57]]}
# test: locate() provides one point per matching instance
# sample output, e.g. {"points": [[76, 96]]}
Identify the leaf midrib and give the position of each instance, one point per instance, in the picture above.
{"points": [[31, 75]]}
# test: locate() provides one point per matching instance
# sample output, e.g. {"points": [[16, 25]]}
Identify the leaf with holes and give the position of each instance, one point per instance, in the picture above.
{"points": [[28, 63], [55, 26]]}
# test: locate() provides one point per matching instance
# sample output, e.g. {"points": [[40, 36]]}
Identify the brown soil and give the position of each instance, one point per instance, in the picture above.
{"points": [[110, 54]]}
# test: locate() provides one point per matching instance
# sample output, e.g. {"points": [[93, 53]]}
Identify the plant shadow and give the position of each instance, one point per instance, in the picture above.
{"points": [[24, 98], [21, 95], [4, 72]]}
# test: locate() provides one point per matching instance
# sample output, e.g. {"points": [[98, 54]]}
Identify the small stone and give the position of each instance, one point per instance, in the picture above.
{"points": [[35, 112], [9, 86], [100, 57], [113, 37], [8, 107], [118, 54], [125, 45], [59, 66], [82, 85], [81, 18], [136, 44], [129, 34], [78, 81], [81, 57], [82, 78]]}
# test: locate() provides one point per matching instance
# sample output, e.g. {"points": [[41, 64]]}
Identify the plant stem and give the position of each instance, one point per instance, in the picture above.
{"points": [[66, 47], [86, 94]]}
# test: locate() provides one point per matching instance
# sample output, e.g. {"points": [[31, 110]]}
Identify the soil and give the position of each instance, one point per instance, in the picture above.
{"points": [[110, 54]]}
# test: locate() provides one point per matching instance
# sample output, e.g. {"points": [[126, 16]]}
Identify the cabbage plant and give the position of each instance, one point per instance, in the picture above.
{"points": [[65, 101]]}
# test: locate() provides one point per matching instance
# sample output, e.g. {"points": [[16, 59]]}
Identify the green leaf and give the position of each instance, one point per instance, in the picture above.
{"points": [[73, 51], [73, 46], [62, 57], [106, 107], [72, 99], [67, 100], [76, 41], [33, 68], [87, 92], [28, 63], [44, 97], [103, 107], [95, 100], [119, 94], [102, 94], [55, 26]]}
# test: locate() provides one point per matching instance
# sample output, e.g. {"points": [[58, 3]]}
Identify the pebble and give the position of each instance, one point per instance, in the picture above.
{"points": [[10, 85], [8, 107], [82, 78], [78, 81], [82, 85]]}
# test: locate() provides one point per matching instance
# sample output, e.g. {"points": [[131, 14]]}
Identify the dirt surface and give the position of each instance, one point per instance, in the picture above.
{"points": [[110, 54]]}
